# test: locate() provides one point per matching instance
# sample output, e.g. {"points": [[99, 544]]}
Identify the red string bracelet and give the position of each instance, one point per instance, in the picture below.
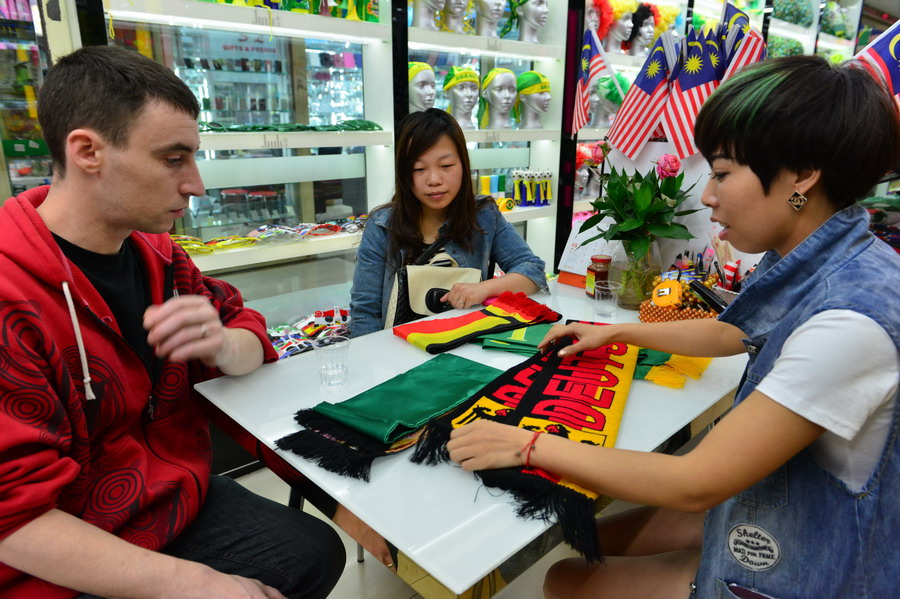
{"points": [[528, 448]]}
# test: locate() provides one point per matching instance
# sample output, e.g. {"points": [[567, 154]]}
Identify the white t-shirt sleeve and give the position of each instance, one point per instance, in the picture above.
{"points": [[840, 370]]}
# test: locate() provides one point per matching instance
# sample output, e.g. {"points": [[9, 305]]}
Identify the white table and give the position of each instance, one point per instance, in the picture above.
{"points": [[440, 516]]}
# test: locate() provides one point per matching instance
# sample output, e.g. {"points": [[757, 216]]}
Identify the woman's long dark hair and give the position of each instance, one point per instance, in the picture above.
{"points": [[419, 131]]}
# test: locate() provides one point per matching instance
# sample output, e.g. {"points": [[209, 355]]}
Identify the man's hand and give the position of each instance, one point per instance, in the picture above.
{"points": [[187, 328]]}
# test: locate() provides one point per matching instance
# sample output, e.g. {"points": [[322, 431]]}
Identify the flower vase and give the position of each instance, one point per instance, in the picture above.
{"points": [[635, 273]]}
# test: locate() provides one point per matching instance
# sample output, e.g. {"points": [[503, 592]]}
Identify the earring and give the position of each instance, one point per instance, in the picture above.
{"points": [[797, 201]]}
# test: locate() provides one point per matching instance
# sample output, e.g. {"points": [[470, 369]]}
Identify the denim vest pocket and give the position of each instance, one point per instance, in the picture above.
{"points": [[771, 493], [723, 592]]}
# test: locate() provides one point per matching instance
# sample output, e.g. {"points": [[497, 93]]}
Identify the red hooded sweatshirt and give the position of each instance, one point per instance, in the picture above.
{"points": [[126, 453]]}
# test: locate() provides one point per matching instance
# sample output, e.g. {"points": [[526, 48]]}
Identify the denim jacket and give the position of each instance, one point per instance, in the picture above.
{"points": [[373, 278], [801, 532]]}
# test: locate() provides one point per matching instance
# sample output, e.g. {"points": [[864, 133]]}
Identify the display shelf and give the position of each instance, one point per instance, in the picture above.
{"points": [[299, 139], [252, 172], [804, 35], [226, 17], [491, 158], [266, 254], [591, 134], [582, 206], [505, 135], [835, 44], [29, 182], [460, 43], [624, 61], [522, 214]]}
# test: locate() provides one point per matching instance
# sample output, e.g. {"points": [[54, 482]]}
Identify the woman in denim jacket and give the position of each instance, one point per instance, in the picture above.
{"points": [[796, 492], [434, 196]]}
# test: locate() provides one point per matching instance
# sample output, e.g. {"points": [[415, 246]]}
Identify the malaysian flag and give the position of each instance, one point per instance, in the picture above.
{"points": [[736, 24], [643, 106], [751, 48], [593, 64], [882, 58], [695, 81]]}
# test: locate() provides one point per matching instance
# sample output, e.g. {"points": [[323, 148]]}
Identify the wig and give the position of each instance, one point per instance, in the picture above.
{"points": [[620, 7], [605, 16], [667, 18]]}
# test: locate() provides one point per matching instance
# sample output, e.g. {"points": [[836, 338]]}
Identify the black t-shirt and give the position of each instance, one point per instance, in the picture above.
{"points": [[121, 281]]}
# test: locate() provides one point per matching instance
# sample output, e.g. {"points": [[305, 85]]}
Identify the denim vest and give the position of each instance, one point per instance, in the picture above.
{"points": [[801, 532]]}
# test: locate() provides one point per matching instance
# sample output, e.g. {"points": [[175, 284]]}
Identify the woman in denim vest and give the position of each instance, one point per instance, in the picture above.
{"points": [[796, 492], [434, 196]]}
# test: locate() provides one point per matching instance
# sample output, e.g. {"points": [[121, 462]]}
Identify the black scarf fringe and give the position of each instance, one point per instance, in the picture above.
{"points": [[351, 456], [431, 447], [537, 497]]}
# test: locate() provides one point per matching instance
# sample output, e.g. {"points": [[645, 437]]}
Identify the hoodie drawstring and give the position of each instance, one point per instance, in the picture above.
{"points": [[88, 392]]}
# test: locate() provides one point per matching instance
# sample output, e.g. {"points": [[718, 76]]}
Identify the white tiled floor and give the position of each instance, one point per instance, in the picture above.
{"points": [[371, 580]]}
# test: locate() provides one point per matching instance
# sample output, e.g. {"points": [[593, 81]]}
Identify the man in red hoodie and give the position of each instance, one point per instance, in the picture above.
{"points": [[105, 326]]}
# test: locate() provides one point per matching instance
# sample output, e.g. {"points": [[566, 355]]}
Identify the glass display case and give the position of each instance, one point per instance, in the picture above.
{"points": [[498, 152], [290, 124], [838, 25], [22, 63], [793, 28]]}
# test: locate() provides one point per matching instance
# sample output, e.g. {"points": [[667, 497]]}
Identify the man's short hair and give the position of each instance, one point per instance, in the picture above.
{"points": [[104, 88], [802, 112]]}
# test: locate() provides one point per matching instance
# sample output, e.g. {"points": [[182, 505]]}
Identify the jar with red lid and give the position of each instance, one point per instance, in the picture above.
{"points": [[598, 270]]}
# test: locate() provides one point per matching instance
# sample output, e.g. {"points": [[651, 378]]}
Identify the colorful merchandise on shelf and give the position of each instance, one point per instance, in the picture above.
{"points": [[798, 12], [784, 46]]}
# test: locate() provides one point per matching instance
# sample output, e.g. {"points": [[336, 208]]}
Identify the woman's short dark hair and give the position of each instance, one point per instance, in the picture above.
{"points": [[104, 88], [802, 112], [418, 132]]}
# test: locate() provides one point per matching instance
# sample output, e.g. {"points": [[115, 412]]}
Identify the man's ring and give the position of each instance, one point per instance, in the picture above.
{"points": [[203, 331]]}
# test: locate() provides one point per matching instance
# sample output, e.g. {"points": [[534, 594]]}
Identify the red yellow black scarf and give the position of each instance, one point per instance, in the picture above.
{"points": [[578, 397], [508, 311]]}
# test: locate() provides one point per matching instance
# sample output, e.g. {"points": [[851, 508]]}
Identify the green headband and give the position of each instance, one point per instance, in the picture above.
{"points": [[529, 82], [483, 116], [417, 67], [459, 75], [513, 16]]}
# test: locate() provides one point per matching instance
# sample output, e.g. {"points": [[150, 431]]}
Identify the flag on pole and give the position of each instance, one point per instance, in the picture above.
{"points": [[751, 48], [593, 64], [643, 106], [695, 81], [736, 24], [882, 58]]}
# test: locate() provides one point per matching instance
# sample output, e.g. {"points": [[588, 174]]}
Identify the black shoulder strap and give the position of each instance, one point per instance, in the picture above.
{"points": [[429, 252]]}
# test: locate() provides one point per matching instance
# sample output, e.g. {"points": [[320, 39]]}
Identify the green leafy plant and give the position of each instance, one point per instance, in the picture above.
{"points": [[642, 207]]}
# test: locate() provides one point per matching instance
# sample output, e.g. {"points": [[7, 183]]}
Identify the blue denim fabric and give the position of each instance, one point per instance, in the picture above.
{"points": [[801, 532], [238, 532], [373, 278]]}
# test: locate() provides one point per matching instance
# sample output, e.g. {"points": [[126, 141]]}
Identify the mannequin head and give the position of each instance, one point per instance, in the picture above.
{"points": [[643, 31], [621, 27], [490, 10], [421, 86], [424, 12], [531, 17], [453, 17], [533, 99], [668, 16], [461, 89], [498, 94]]}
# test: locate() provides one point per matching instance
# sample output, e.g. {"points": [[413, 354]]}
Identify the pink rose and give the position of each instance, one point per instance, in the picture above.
{"points": [[667, 166], [597, 153]]}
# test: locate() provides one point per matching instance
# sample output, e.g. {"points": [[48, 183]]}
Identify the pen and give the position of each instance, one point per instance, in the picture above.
{"points": [[719, 272]]}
